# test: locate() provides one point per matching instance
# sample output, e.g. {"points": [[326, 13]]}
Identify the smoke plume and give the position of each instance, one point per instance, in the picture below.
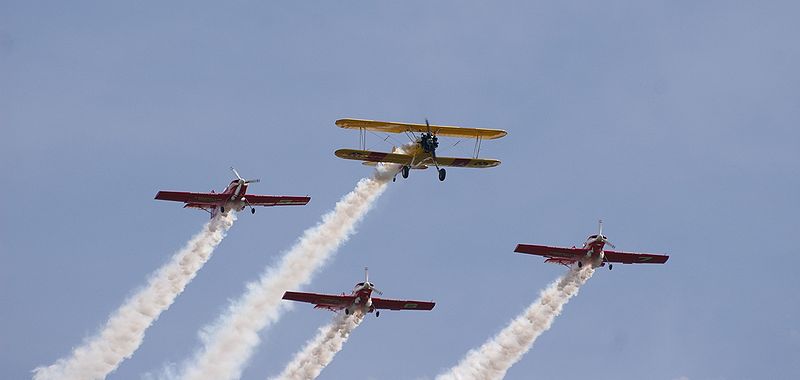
{"points": [[496, 356], [229, 343], [124, 331], [319, 352]]}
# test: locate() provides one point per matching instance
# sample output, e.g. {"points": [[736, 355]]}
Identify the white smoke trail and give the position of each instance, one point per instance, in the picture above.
{"points": [[124, 331], [318, 353], [230, 342], [496, 356]]}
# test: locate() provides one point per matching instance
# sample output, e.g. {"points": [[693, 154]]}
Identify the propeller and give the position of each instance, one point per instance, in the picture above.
{"points": [[368, 284], [434, 144], [236, 174], [242, 179], [602, 237]]}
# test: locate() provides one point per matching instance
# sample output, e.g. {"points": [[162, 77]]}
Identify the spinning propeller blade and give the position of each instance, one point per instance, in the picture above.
{"points": [[369, 284], [600, 234], [236, 174]]}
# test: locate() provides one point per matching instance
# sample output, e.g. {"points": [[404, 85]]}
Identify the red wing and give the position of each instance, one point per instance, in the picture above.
{"points": [[276, 200], [328, 301], [379, 303], [559, 252], [635, 258], [194, 198]]}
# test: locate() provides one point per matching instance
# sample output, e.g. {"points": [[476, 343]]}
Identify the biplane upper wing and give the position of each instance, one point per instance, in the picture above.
{"points": [[550, 252], [635, 258], [192, 198], [380, 303], [276, 200], [329, 301], [370, 156], [440, 130]]}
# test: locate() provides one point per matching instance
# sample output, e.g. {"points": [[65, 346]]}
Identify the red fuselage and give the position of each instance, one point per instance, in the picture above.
{"points": [[235, 191], [595, 244], [363, 298]]}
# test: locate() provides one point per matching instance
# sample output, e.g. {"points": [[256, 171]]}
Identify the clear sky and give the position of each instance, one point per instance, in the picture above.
{"points": [[677, 122]]}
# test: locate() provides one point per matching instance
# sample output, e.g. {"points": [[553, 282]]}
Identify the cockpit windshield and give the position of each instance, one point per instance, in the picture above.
{"points": [[592, 237]]}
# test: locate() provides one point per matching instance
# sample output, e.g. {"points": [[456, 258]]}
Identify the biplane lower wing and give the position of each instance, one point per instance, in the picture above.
{"points": [[191, 199], [276, 200], [467, 162], [380, 303], [327, 301], [565, 255], [440, 130], [370, 156], [405, 159]]}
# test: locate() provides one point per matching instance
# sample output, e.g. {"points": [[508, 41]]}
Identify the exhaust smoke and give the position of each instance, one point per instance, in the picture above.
{"points": [[124, 331], [319, 352], [496, 356]]}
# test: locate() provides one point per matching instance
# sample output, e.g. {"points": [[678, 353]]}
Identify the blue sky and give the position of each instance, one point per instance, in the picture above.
{"points": [[674, 121]]}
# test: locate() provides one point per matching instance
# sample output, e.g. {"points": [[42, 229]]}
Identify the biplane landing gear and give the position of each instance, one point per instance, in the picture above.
{"points": [[405, 171], [222, 209], [580, 264], [610, 266], [442, 174], [252, 210], [346, 311], [377, 314]]}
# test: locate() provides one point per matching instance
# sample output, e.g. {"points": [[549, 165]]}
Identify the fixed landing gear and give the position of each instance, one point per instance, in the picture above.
{"points": [[442, 174], [580, 264], [610, 266], [405, 170], [377, 314], [222, 209], [252, 210], [346, 311]]}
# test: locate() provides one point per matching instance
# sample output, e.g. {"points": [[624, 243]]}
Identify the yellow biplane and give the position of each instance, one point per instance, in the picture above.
{"points": [[423, 152]]}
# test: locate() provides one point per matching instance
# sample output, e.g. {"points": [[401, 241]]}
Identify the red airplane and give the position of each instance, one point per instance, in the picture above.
{"points": [[232, 198], [592, 253], [359, 300]]}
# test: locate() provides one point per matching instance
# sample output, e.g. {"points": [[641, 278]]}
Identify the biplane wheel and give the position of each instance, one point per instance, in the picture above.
{"points": [[442, 174], [252, 210], [405, 171], [346, 311], [394, 179], [377, 314], [221, 209], [580, 264], [610, 266]]}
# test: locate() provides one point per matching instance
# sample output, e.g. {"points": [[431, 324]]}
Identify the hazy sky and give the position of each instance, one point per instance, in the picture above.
{"points": [[677, 122]]}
